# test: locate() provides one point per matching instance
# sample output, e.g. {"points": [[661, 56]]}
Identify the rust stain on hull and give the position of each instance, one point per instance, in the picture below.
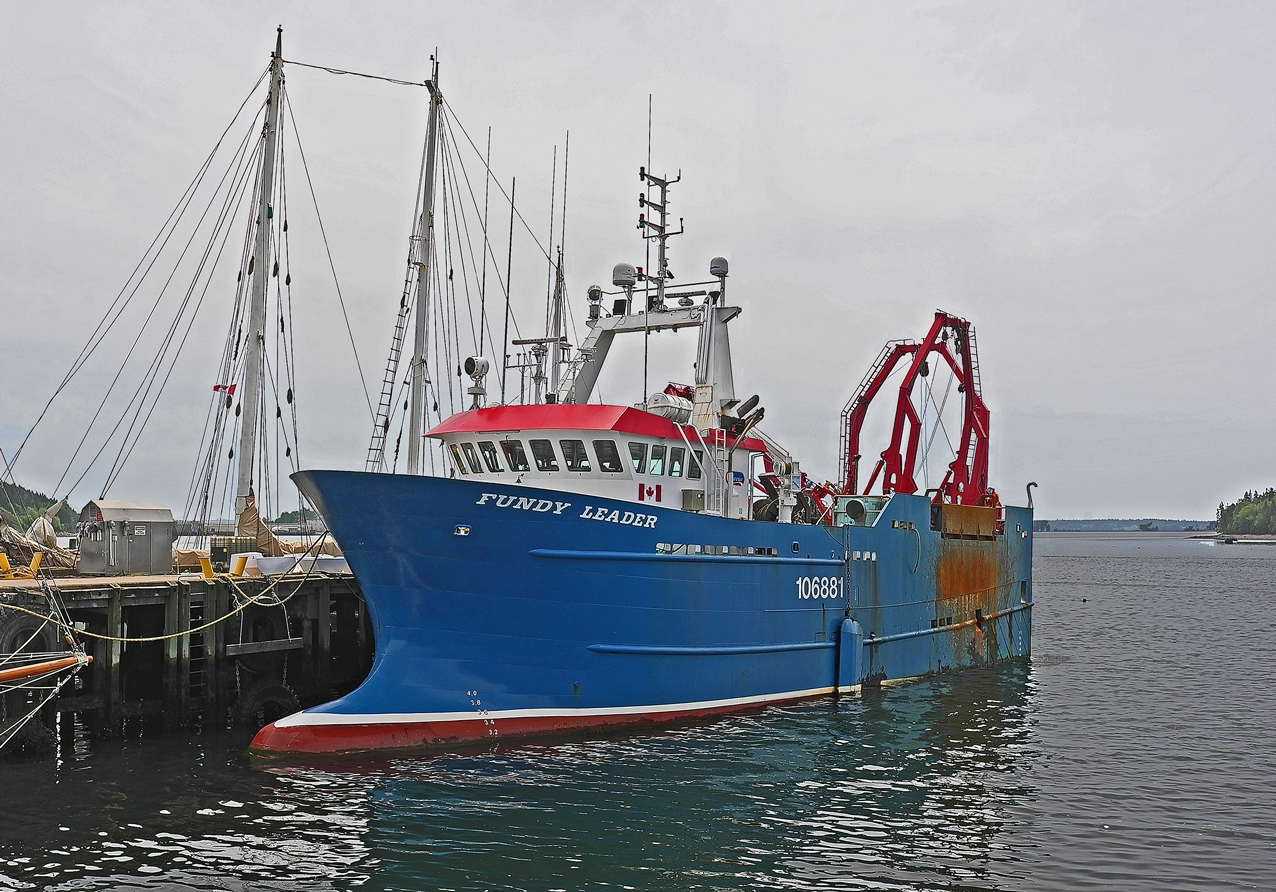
{"points": [[973, 582]]}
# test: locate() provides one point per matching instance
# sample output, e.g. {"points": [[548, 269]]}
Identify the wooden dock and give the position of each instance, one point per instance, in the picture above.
{"points": [[262, 661]]}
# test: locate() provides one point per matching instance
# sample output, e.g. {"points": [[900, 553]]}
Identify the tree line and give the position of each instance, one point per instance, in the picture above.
{"points": [[20, 507], [1253, 514]]}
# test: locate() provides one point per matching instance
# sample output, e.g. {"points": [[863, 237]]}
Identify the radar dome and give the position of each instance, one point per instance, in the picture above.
{"points": [[624, 275]]}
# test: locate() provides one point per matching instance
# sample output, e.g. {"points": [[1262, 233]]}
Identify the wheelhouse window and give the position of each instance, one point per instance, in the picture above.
{"points": [[515, 457], [657, 463], [608, 457], [574, 455], [638, 457], [490, 456], [472, 457], [677, 456], [693, 469], [543, 453], [456, 456]]}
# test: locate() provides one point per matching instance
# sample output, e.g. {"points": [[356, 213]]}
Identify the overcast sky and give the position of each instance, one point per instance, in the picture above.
{"points": [[1090, 184]]}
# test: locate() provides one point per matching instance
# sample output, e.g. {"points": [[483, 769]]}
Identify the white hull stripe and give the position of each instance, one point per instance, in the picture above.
{"points": [[307, 719]]}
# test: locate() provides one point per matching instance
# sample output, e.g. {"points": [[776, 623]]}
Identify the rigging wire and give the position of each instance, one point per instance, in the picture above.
{"points": [[226, 356], [148, 377], [331, 265], [209, 467], [375, 77], [458, 220], [459, 162], [243, 159], [169, 225], [123, 456], [290, 337], [508, 198]]}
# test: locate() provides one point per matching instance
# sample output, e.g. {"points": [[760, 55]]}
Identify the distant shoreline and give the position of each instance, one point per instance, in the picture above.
{"points": [[1123, 525], [1206, 535]]}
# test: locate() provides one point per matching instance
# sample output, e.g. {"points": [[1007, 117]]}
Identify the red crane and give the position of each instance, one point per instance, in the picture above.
{"points": [[966, 482]]}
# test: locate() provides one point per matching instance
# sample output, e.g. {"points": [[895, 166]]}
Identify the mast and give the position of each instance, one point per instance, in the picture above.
{"points": [[556, 326], [660, 232], [253, 349], [424, 248]]}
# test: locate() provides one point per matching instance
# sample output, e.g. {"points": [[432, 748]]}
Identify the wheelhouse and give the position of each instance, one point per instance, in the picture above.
{"points": [[614, 452]]}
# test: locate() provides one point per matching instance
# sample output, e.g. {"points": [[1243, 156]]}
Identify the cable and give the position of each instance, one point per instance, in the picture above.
{"points": [[346, 316], [237, 161], [375, 77], [95, 339], [498, 184]]}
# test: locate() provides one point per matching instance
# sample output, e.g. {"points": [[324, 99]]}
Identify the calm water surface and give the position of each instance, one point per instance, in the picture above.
{"points": [[1135, 751]]}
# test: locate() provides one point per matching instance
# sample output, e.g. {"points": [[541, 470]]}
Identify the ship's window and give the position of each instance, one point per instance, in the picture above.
{"points": [[456, 454], [693, 469], [608, 456], [574, 455], [490, 456], [657, 465], [515, 457], [638, 457], [676, 457], [543, 452], [472, 457]]}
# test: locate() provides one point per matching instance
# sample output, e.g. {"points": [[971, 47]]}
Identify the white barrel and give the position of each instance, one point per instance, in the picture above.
{"points": [[677, 409]]}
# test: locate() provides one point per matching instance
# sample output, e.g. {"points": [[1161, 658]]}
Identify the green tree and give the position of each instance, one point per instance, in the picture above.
{"points": [[295, 517], [1253, 514], [20, 506]]}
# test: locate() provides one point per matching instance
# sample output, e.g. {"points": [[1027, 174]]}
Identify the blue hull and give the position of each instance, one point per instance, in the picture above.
{"points": [[505, 610]]}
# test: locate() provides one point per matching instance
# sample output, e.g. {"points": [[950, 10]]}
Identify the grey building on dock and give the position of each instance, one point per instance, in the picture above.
{"points": [[121, 538]]}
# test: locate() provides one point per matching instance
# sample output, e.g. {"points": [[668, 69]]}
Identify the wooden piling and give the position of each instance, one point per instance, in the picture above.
{"points": [[110, 721], [322, 657], [326, 622]]}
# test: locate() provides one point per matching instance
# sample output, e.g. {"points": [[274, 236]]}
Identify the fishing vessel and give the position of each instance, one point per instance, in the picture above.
{"points": [[573, 566]]}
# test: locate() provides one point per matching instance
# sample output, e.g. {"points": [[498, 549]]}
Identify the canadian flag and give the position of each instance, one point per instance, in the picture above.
{"points": [[224, 388]]}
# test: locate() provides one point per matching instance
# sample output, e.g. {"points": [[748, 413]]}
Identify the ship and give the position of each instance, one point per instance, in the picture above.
{"points": [[573, 567]]}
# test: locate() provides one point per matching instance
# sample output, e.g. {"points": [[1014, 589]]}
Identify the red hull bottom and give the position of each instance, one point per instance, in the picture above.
{"points": [[332, 739]]}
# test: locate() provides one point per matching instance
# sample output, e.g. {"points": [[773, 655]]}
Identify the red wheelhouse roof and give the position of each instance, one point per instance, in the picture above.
{"points": [[589, 417], [622, 419]]}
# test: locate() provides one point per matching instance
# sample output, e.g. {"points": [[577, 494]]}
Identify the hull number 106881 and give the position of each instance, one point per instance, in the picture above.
{"points": [[820, 587]]}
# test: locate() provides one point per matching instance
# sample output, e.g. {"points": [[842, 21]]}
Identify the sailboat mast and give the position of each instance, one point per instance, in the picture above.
{"points": [[424, 248], [250, 398]]}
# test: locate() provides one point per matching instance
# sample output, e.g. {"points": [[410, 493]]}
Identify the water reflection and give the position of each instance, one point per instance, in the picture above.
{"points": [[905, 788], [913, 788], [180, 813], [910, 785]]}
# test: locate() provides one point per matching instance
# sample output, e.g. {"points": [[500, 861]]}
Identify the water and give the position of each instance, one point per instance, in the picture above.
{"points": [[1135, 751]]}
